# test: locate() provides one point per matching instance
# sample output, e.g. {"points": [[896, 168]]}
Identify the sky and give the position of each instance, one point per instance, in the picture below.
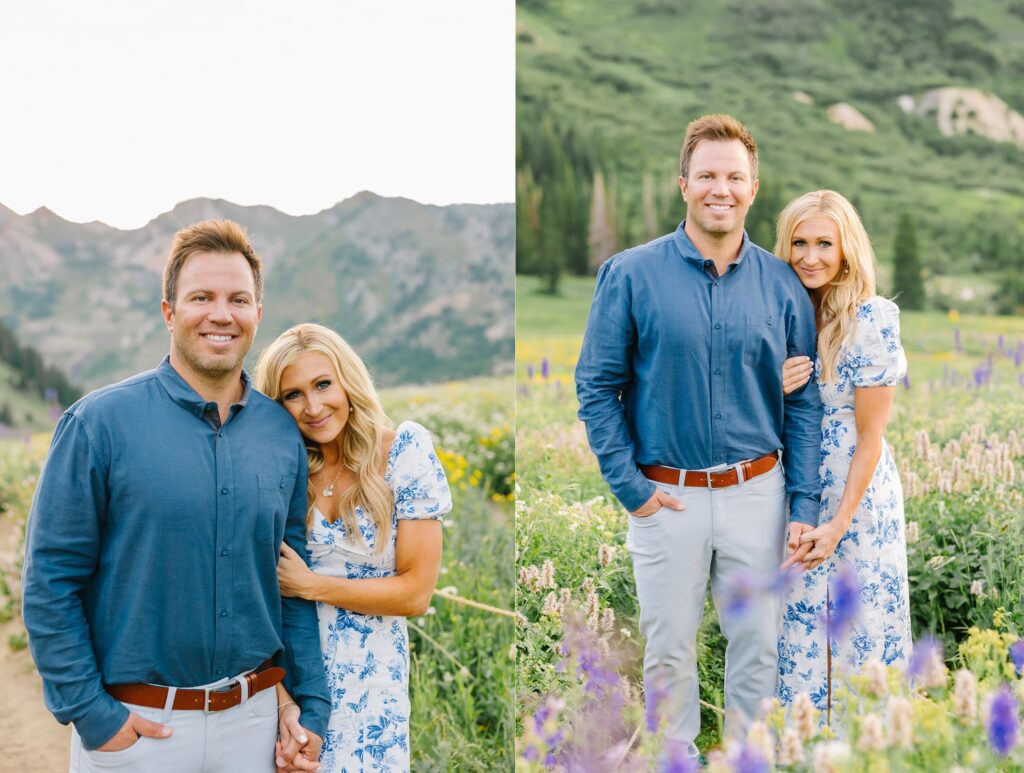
{"points": [[116, 111]]}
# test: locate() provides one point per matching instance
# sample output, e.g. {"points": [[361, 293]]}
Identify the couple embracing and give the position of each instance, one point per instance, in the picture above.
{"points": [[736, 404], [176, 509]]}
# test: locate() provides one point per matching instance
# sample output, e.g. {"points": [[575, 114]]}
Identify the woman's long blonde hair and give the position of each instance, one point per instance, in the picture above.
{"points": [[854, 283], [361, 447]]}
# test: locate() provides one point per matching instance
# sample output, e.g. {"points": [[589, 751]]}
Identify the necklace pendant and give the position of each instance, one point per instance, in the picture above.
{"points": [[329, 491]]}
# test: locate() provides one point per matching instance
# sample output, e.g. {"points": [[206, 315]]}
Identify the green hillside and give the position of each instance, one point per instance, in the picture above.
{"points": [[20, 408], [610, 87]]}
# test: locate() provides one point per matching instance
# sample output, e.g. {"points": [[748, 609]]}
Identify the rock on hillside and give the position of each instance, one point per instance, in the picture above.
{"points": [[850, 118], [968, 111]]}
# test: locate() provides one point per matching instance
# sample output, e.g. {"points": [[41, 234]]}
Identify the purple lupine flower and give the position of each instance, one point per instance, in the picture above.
{"points": [[844, 600], [654, 694], [906, 380], [740, 590], [677, 759], [1003, 723], [1017, 655], [1000, 342], [545, 368], [922, 656], [529, 371], [750, 760], [956, 340]]}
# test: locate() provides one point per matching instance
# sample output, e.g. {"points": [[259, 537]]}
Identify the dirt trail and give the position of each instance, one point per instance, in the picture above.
{"points": [[30, 738]]}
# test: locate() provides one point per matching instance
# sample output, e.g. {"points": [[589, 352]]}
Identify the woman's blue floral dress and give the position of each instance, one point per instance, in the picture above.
{"points": [[874, 544], [367, 656]]}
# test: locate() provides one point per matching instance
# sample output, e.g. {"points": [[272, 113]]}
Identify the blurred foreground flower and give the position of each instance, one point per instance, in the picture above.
{"points": [[926, 668], [844, 600], [1003, 722]]}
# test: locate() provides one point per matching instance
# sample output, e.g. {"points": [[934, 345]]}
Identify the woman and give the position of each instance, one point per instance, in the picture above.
{"points": [[374, 540], [860, 525]]}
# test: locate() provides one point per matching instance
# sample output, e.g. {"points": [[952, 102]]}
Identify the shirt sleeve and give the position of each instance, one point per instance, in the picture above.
{"points": [[801, 431], [604, 370], [876, 356], [62, 548], [305, 678], [417, 479]]}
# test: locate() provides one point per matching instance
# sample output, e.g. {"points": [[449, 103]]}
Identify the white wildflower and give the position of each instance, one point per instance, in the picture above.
{"points": [[872, 734], [965, 697]]}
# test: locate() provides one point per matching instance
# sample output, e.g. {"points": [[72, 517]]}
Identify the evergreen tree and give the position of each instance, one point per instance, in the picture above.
{"points": [[908, 285], [601, 236]]}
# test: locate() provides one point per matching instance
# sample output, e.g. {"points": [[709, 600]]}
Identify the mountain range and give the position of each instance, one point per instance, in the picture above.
{"points": [[423, 293]]}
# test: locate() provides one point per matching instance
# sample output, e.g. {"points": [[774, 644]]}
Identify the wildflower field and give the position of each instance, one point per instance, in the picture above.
{"points": [[958, 438], [461, 676]]}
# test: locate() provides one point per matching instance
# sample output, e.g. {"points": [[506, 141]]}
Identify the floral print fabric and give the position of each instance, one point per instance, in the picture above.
{"points": [[874, 545], [367, 656]]}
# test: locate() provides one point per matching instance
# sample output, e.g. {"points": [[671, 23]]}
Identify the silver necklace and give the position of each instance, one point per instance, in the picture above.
{"points": [[329, 491]]}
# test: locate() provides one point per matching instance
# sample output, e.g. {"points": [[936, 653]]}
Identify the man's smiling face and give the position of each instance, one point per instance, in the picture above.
{"points": [[214, 318], [719, 189]]}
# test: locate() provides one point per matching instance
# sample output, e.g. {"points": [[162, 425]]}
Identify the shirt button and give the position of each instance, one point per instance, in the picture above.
{"points": [[718, 415], [224, 490], [224, 552], [281, 484], [718, 371], [718, 458], [718, 325], [223, 613], [716, 283]]}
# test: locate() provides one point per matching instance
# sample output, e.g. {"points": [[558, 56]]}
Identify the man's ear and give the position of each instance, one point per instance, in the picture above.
{"points": [[754, 189], [167, 310]]}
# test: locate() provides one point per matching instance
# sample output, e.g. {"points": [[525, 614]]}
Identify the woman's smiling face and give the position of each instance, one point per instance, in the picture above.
{"points": [[313, 395], [816, 253]]}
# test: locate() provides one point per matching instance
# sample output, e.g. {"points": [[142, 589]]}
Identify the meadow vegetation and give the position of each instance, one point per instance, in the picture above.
{"points": [[955, 434], [461, 675]]}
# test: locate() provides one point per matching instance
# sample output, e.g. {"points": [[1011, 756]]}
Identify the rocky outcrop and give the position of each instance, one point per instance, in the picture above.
{"points": [[959, 111], [850, 118]]}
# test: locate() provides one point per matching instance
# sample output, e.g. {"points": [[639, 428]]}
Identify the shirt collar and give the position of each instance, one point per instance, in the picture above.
{"points": [[692, 254], [188, 398]]}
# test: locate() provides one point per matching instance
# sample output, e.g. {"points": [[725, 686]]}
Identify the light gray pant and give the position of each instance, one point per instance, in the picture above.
{"points": [[739, 529], [237, 740]]}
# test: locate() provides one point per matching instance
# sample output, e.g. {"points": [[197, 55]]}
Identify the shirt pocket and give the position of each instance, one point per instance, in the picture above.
{"points": [[275, 494], [764, 340]]}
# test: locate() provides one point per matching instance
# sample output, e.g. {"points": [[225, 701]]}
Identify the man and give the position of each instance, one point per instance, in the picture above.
{"points": [[150, 587], [680, 385]]}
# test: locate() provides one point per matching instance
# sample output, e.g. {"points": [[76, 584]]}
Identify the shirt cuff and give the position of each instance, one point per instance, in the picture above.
{"points": [[314, 714], [635, 492], [102, 722], [804, 510]]}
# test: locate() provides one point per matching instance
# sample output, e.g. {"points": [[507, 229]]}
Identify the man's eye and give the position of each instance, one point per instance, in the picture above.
{"points": [[200, 298], [242, 301]]}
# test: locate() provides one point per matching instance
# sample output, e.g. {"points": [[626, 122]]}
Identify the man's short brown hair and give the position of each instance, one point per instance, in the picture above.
{"points": [[721, 127], [210, 236]]}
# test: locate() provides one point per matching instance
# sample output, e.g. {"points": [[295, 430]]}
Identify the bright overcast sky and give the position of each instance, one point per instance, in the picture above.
{"points": [[116, 110]]}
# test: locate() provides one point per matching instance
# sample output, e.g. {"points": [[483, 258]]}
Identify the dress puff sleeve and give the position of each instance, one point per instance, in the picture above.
{"points": [[417, 478], [876, 357]]}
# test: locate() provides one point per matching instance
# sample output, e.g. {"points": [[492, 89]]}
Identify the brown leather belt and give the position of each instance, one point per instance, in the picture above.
{"points": [[704, 479], [215, 699]]}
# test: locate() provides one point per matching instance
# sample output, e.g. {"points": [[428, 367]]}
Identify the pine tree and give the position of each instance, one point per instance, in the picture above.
{"points": [[908, 285], [602, 238]]}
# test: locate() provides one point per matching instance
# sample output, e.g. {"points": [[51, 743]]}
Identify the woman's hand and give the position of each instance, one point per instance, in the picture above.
{"points": [[294, 577], [796, 371], [825, 539]]}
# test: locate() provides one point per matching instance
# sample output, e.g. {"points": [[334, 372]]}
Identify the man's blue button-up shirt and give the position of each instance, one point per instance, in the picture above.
{"points": [[152, 546], [683, 368]]}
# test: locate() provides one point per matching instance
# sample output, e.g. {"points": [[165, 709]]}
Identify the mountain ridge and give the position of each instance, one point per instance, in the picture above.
{"points": [[423, 292]]}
